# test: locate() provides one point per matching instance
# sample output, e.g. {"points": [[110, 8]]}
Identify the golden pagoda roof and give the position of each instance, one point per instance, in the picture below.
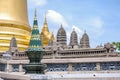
{"points": [[46, 36]]}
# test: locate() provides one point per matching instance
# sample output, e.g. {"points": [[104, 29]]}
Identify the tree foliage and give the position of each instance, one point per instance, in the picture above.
{"points": [[117, 44]]}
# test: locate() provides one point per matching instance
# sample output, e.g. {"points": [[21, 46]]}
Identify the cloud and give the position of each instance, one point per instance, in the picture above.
{"points": [[78, 30], [94, 25], [96, 22], [56, 18], [93, 22], [37, 2], [69, 31]]}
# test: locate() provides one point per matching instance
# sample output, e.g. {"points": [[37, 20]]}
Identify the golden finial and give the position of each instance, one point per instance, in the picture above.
{"points": [[45, 26], [45, 20]]}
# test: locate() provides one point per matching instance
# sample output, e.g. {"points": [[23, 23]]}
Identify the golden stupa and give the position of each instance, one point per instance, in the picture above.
{"points": [[45, 35], [14, 21]]}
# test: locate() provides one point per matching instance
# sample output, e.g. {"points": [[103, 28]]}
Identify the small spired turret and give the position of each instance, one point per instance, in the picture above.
{"points": [[13, 46], [52, 41], [73, 38], [109, 47], [61, 36], [84, 42], [35, 52]]}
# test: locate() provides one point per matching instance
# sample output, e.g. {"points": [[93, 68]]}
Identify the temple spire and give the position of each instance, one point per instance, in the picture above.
{"points": [[35, 15], [35, 53], [45, 20], [84, 41], [84, 31], [73, 38], [13, 44], [45, 34], [61, 26], [45, 26], [35, 42], [61, 36], [73, 29]]}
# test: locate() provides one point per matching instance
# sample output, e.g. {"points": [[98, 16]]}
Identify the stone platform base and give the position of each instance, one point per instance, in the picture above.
{"points": [[78, 76], [40, 77]]}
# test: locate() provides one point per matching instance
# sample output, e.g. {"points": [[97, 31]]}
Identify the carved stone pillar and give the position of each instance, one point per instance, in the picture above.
{"points": [[10, 67], [5, 67], [98, 66], [20, 68], [69, 67]]}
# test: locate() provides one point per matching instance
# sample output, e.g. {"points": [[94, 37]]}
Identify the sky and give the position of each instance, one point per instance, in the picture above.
{"points": [[99, 18]]}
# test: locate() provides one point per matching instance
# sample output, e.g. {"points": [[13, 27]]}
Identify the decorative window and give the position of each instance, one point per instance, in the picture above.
{"points": [[57, 67], [2, 67], [110, 66], [15, 67], [84, 67]]}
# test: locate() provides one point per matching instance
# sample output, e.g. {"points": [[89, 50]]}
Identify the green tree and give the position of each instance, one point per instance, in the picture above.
{"points": [[117, 44]]}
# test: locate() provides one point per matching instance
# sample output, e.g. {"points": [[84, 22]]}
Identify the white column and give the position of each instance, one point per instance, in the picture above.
{"points": [[20, 68], [10, 67], [98, 66], [69, 67], [7, 66]]}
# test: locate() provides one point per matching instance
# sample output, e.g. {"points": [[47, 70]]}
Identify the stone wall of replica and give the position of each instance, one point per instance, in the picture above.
{"points": [[68, 65]]}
